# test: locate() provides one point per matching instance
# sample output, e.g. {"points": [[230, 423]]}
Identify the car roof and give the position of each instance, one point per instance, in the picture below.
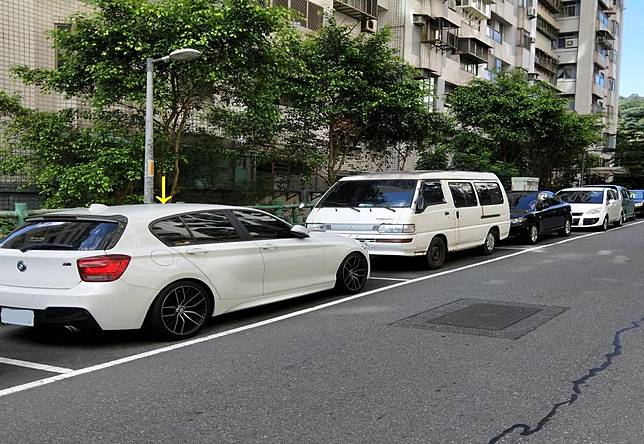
{"points": [[140, 211], [605, 186], [424, 174], [581, 189]]}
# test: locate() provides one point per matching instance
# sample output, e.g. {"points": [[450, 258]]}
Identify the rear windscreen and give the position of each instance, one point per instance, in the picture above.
{"points": [[77, 235]]}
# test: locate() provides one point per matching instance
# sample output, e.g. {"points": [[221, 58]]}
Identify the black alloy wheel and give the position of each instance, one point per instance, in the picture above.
{"points": [[352, 274], [533, 234], [565, 231], [436, 253], [180, 310]]}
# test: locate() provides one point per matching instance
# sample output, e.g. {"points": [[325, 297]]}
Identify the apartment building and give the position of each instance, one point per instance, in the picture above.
{"points": [[24, 27], [572, 44]]}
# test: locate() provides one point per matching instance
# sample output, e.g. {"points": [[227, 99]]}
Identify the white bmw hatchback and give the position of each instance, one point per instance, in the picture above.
{"points": [[169, 267]]}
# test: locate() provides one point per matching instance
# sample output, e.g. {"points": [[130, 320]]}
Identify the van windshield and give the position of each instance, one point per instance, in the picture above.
{"points": [[389, 193]]}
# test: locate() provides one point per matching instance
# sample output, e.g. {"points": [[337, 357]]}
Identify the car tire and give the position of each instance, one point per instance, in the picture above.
{"points": [[604, 226], [180, 310], [352, 274], [565, 232], [620, 221], [436, 253], [532, 237], [489, 245]]}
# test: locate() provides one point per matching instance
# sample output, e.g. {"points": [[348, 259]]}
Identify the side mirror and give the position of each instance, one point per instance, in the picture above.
{"points": [[300, 231], [611, 201], [420, 204], [301, 206]]}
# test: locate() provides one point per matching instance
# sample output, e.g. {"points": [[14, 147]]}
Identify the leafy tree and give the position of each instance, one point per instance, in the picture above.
{"points": [[630, 139], [75, 158], [351, 92], [525, 125], [244, 46]]}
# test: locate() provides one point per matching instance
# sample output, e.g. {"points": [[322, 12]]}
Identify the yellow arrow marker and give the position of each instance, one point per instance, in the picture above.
{"points": [[163, 199]]}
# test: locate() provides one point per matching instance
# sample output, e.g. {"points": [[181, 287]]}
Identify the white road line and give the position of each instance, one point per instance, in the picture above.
{"points": [[388, 279], [512, 248], [35, 365], [188, 343]]}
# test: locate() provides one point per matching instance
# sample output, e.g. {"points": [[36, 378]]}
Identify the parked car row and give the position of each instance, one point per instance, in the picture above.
{"points": [[172, 267]]}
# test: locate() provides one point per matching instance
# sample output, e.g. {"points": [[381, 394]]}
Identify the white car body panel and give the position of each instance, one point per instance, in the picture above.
{"points": [[237, 273]]}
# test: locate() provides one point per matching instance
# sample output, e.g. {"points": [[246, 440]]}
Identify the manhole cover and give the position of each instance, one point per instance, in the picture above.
{"points": [[485, 318]]}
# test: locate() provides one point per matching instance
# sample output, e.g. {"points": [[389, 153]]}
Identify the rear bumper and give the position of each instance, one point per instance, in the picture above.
{"points": [[108, 305]]}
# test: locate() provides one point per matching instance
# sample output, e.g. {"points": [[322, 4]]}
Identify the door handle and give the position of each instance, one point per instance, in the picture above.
{"points": [[446, 213], [268, 246], [458, 215], [195, 251]]}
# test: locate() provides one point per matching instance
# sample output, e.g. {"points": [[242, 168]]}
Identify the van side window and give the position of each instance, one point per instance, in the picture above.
{"points": [[463, 194], [489, 193], [433, 193]]}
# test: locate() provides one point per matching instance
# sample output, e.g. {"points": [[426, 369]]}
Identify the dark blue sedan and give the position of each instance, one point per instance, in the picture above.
{"points": [[638, 200], [535, 213]]}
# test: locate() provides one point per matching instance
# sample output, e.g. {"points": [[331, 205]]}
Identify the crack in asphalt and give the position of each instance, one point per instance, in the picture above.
{"points": [[526, 430]]}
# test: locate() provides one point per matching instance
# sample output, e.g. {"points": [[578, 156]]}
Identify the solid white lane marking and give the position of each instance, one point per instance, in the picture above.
{"points": [[387, 279], [512, 248], [34, 365], [190, 342]]}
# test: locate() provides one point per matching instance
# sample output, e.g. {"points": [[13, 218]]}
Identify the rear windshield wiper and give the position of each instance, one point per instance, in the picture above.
{"points": [[45, 246]]}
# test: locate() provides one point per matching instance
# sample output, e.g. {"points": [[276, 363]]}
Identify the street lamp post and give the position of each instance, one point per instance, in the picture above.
{"points": [[185, 54]]}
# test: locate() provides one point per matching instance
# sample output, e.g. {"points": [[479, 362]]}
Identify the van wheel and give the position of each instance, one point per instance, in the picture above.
{"points": [[490, 243], [436, 253]]}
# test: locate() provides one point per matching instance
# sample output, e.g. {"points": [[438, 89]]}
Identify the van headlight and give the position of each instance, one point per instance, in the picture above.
{"points": [[397, 228], [316, 227], [594, 211]]}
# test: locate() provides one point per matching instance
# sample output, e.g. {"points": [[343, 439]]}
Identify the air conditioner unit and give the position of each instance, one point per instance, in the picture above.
{"points": [[419, 19], [532, 12], [369, 25], [533, 40], [571, 43]]}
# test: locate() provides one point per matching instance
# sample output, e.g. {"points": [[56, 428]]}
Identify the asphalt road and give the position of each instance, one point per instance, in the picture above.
{"points": [[326, 368]]}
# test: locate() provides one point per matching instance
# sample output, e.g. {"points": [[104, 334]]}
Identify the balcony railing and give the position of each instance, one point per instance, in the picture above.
{"points": [[546, 28], [552, 5], [601, 60], [357, 8], [479, 9], [545, 62], [472, 51]]}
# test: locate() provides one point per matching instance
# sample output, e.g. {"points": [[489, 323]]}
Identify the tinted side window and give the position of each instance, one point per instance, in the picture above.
{"points": [[625, 194], [433, 193], [263, 226], [489, 193], [171, 232], [612, 194], [210, 227], [463, 194]]}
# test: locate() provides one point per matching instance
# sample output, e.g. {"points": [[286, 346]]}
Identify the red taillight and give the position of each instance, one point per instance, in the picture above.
{"points": [[103, 268]]}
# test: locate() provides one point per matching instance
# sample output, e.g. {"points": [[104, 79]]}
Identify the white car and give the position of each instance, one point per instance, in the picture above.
{"points": [[169, 267], [593, 207]]}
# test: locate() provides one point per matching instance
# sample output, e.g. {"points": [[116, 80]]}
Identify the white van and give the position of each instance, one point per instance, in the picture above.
{"points": [[418, 213]]}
